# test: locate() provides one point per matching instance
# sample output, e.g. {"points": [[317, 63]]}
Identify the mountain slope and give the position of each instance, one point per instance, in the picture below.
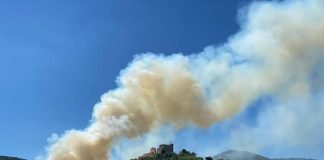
{"points": [[292, 159], [10, 158], [239, 155], [244, 155]]}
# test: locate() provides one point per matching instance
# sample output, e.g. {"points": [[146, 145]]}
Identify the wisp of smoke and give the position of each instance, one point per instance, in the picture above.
{"points": [[275, 52]]}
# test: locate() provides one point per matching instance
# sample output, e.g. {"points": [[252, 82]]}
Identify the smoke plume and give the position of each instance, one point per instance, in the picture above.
{"points": [[276, 51]]}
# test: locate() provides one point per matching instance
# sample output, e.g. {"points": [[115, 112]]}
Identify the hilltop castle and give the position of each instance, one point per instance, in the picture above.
{"points": [[162, 149], [165, 152]]}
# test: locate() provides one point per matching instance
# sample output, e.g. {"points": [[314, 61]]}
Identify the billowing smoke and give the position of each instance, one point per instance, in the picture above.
{"points": [[275, 52]]}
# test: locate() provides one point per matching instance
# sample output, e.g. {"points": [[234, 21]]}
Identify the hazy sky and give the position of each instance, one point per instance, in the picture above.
{"points": [[57, 57]]}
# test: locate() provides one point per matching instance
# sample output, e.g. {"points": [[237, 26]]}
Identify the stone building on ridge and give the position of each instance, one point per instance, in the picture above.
{"points": [[165, 148]]}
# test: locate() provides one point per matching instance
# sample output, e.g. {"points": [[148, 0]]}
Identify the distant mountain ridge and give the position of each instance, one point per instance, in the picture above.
{"points": [[292, 159], [239, 155], [10, 158], [244, 155]]}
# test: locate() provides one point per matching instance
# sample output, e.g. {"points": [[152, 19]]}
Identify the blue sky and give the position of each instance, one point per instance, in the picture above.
{"points": [[58, 57]]}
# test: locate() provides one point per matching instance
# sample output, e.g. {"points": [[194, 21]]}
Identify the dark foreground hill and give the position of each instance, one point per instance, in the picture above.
{"points": [[166, 152], [244, 155], [10, 158]]}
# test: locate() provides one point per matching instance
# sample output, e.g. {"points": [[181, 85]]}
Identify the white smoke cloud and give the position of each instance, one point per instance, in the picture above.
{"points": [[281, 128], [275, 53], [290, 127], [294, 123]]}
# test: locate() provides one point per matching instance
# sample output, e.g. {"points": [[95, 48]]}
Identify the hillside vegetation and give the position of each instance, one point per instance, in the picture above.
{"points": [[10, 158]]}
